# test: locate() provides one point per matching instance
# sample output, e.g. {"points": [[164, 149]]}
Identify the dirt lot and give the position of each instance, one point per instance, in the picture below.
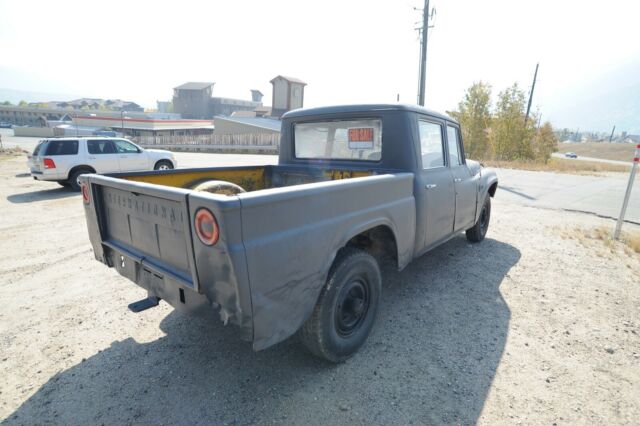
{"points": [[531, 326]]}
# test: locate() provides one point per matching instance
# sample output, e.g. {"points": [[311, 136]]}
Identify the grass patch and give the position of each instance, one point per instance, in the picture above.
{"points": [[604, 150], [12, 152], [629, 242], [561, 165]]}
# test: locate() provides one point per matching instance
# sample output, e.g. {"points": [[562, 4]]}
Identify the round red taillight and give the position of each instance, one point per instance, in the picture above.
{"points": [[85, 193], [206, 227]]}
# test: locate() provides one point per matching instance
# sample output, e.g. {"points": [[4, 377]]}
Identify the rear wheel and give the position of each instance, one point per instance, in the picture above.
{"points": [[479, 230], [347, 307], [163, 165], [73, 178]]}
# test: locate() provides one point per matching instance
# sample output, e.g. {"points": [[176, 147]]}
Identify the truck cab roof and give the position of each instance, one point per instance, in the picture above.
{"points": [[345, 109]]}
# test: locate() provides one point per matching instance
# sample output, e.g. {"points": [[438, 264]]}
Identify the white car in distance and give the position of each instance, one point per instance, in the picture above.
{"points": [[64, 159]]}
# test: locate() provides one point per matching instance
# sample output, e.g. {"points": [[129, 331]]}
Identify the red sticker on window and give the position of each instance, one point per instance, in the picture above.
{"points": [[361, 134], [360, 138]]}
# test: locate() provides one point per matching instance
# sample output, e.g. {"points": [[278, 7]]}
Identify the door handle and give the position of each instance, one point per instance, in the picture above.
{"points": [[92, 158], [123, 156], [430, 185], [457, 180]]}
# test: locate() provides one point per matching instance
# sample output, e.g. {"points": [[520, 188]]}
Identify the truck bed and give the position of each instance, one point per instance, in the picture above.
{"points": [[277, 241]]}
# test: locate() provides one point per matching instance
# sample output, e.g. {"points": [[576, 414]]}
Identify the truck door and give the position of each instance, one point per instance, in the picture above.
{"points": [[466, 185], [437, 202]]}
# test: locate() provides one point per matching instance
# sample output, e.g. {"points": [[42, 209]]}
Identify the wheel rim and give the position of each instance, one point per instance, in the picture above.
{"points": [[163, 167], [353, 305]]}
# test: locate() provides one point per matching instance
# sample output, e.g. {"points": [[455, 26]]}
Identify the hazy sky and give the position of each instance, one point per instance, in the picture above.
{"points": [[348, 51]]}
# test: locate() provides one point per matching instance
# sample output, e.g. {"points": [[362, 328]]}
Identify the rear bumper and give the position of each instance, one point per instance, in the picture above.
{"points": [[157, 283], [47, 175]]}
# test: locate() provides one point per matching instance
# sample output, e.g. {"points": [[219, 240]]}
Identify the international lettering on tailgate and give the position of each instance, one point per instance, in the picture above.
{"points": [[142, 205], [360, 137]]}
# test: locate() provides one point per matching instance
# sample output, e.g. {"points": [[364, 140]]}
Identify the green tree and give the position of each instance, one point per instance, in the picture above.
{"points": [[7, 103], [474, 115], [510, 138], [23, 104], [545, 142]]}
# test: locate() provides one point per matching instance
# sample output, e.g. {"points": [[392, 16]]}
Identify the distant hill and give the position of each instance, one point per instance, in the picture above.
{"points": [[611, 99], [15, 96]]}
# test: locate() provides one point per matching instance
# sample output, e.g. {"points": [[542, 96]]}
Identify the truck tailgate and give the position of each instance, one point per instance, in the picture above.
{"points": [[149, 225]]}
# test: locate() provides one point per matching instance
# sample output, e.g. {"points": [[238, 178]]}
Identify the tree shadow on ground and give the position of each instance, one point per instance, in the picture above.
{"points": [[41, 195], [437, 343]]}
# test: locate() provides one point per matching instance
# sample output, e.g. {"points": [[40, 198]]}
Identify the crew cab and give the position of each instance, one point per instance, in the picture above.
{"points": [[64, 159], [295, 247]]}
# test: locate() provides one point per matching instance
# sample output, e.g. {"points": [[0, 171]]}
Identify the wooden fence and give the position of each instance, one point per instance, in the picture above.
{"points": [[266, 140]]}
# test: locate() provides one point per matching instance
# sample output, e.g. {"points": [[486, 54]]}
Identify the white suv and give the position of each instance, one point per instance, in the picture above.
{"points": [[64, 159]]}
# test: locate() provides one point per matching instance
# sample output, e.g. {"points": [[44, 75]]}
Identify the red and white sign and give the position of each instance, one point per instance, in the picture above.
{"points": [[360, 137]]}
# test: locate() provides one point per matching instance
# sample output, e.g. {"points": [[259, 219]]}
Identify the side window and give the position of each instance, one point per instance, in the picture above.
{"points": [[100, 146], [125, 147], [431, 145], [62, 147], [455, 157]]}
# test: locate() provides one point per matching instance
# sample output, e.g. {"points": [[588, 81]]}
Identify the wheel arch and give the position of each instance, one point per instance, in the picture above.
{"points": [[163, 160], [492, 189], [74, 169], [377, 238]]}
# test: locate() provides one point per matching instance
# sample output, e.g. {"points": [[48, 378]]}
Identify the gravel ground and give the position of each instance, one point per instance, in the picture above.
{"points": [[527, 327]]}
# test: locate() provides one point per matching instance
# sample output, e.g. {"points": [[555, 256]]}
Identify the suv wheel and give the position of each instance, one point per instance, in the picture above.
{"points": [[346, 309], [163, 165], [73, 179]]}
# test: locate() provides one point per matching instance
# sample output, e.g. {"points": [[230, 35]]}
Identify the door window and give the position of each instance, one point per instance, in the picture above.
{"points": [[102, 146], [431, 145], [455, 157], [125, 147]]}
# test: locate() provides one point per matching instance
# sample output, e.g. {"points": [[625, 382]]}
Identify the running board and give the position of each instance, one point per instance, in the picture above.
{"points": [[144, 304]]}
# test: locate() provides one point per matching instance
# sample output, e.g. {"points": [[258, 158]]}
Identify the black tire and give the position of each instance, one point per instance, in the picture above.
{"points": [[347, 307], [163, 165], [64, 183], [479, 230], [73, 179]]}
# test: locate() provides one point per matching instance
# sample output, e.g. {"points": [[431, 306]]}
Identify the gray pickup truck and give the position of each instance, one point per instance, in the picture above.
{"points": [[295, 247]]}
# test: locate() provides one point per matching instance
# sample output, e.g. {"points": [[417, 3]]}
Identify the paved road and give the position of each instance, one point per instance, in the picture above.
{"points": [[593, 159], [601, 195]]}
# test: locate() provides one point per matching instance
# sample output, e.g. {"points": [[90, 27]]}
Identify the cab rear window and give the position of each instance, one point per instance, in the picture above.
{"points": [[359, 140], [68, 147]]}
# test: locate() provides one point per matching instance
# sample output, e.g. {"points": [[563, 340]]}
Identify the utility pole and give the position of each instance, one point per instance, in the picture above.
{"points": [[533, 86], [627, 194], [611, 137], [424, 31]]}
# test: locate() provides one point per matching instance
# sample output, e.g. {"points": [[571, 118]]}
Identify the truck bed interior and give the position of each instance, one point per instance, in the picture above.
{"points": [[252, 178]]}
